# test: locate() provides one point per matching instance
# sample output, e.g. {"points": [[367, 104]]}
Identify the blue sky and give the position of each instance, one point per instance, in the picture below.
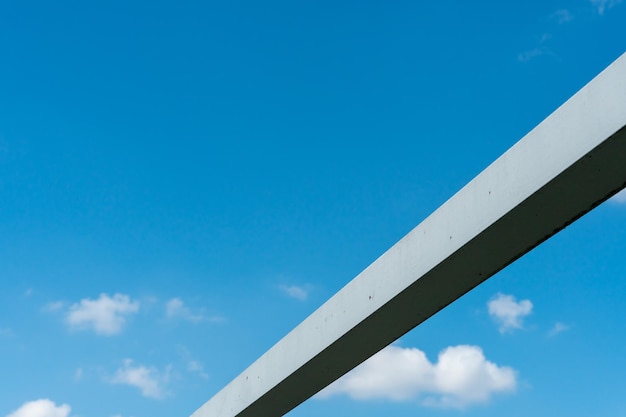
{"points": [[182, 184]]}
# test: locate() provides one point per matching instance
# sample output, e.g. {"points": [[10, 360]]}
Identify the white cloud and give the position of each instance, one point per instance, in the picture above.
{"points": [[604, 5], [176, 309], [106, 315], [295, 291], [509, 313], [558, 328], [461, 377], [150, 381], [620, 197], [41, 408]]}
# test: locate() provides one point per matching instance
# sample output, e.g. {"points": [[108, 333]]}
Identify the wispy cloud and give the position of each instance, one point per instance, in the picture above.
{"points": [[530, 54], [41, 408], [54, 306], [6, 332], [176, 309], [150, 381], [105, 315], [78, 374], [508, 313], [602, 6], [294, 291], [462, 376], [192, 364], [558, 328], [562, 16], [538, 51], [197, 368]]}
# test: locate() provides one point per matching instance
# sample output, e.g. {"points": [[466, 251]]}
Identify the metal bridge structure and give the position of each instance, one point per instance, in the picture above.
{"points": [[568, 164]]}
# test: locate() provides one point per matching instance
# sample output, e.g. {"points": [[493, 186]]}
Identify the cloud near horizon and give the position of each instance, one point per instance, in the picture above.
{"points": [[508, 313], [105, 316], [462, 376], [41, 408]]}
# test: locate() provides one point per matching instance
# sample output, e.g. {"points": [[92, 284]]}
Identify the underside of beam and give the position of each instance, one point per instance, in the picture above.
{"points": [[571, 162]]}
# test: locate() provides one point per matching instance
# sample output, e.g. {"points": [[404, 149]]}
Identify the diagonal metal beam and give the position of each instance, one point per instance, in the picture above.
{"points": [[567, 165]]}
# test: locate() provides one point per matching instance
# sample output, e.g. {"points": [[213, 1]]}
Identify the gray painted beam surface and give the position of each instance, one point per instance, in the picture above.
{"points": [[567, 165]]}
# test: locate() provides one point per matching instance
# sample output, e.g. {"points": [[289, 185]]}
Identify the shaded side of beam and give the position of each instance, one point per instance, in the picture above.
{"points": [[571, 162]]}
